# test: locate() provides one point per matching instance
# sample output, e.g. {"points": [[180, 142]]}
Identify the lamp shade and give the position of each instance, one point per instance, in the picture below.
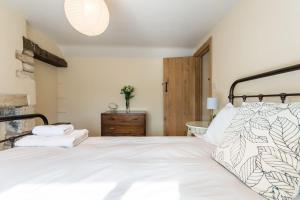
{"points": [[89, 17], [212, 103]]}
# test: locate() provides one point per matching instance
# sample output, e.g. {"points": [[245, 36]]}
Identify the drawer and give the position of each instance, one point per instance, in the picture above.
{"points": [[123, 119], [119, 130]]}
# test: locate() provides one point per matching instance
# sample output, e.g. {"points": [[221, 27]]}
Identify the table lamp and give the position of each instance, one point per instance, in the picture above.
{"points": [[212, 104]]}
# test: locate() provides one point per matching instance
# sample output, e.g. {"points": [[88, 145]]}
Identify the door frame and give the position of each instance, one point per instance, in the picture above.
{"points": [[205, 48]]}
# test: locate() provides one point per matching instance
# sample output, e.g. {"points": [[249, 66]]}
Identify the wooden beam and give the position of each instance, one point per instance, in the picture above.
{"points": [[43, 55]]}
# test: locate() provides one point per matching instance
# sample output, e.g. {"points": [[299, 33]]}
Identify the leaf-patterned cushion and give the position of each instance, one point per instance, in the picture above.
{"points": [[262, 147]]}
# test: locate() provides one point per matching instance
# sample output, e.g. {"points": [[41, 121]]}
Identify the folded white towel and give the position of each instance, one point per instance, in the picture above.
{"points": [[53, 130], [67, 141]]}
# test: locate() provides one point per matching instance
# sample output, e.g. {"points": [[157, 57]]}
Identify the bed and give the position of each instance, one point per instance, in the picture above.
{"points": [[154, 168], [128, 168]]}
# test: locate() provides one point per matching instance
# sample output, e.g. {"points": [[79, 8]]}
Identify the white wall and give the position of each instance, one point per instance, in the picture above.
{"points": [[45, 76], [257, 36], [13, 27], [91, 83], [42, 91]]}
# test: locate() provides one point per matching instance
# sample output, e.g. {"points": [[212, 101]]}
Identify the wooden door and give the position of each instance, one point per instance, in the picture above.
{"points": [[182, 92]]}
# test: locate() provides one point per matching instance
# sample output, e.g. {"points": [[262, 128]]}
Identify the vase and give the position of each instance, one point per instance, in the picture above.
{"points": [[127, 105]]}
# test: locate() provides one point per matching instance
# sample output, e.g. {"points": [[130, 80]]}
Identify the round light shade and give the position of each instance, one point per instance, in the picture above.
{"points": [[89, 17]]}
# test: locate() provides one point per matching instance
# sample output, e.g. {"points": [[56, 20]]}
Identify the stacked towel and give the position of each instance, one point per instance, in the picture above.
{"points": [[53, 130], [67, 141]]}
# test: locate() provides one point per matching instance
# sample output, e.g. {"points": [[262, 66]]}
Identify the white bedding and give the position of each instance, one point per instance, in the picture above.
{"points": [[152, 168]]}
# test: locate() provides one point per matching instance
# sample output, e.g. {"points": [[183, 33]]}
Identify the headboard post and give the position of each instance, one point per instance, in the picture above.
{"points": [[244, 98], [283, 97]]}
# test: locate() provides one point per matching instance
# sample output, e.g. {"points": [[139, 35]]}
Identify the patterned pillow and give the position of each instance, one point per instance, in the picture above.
{"points": [[262, 147]]}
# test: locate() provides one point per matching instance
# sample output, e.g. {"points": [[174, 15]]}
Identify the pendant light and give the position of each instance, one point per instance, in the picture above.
{"points": [[89, 17]]}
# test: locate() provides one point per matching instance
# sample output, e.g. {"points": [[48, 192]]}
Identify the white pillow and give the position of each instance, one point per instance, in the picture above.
{"points": [[215, 132], [262, 149]]}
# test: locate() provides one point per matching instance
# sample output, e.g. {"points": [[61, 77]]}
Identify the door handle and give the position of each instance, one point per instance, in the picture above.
{"points": [[165, 84]]}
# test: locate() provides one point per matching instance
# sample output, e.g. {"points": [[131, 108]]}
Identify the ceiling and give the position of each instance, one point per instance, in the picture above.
{"points": [[133, 23]]}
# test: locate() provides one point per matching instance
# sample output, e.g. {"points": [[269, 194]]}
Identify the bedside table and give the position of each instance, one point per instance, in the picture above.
{"points": [[197, 128]]}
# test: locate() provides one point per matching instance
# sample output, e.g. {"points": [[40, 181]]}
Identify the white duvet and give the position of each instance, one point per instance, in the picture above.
{"points": [[152, 168]]}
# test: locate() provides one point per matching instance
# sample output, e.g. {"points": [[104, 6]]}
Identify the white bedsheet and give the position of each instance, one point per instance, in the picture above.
{"points": [[152, 168]]}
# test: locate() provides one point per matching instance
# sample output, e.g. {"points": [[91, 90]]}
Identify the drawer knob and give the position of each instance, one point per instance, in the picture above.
{"points": [[111, 128]]}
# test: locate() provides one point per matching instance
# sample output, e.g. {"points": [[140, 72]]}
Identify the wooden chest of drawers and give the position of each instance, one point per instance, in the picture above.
{"points": [[123, 124]]}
